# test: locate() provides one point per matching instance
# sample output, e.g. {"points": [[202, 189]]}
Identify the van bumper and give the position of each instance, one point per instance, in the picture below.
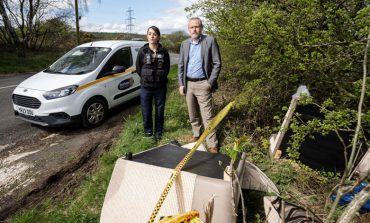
{"points": [[52, 120]]}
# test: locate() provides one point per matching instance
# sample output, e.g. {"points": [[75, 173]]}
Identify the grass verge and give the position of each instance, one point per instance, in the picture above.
{"points": [[34, 62]]}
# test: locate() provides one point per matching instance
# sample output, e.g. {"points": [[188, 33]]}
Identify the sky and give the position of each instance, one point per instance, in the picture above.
{"points": [[111, 16]]}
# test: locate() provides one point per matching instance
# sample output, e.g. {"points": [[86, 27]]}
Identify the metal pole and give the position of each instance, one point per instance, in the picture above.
{"points": [[77, 23]]}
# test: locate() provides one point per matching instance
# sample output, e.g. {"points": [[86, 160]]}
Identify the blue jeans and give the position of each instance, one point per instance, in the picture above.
{"points": [[147, 95]]}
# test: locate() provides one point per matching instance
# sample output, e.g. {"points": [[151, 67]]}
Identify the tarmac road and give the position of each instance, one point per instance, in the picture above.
{"points": [[10, 127], [174, 58]]}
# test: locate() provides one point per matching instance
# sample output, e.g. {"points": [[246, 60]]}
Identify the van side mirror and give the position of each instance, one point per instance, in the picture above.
{"points": [[115, 70], [118, 69]]}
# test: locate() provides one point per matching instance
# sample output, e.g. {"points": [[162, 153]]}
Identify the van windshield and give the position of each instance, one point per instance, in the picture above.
{"points": [[80, 60]]}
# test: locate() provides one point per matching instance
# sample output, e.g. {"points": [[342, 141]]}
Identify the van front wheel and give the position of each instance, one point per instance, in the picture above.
{"points": [[94, 113]]}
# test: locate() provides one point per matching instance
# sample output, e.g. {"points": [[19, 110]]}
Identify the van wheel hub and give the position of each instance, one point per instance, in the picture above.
{"points": [[95, 113]]}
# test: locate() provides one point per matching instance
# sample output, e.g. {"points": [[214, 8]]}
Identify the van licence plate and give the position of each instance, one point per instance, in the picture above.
{"points": [[25, 111]]}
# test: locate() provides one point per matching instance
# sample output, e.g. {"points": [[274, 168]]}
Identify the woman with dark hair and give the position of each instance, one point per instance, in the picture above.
{"points": [[153, 66]]}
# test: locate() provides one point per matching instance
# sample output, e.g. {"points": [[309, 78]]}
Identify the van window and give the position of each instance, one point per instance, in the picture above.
{"points": [[80, 60], [120, 58]]}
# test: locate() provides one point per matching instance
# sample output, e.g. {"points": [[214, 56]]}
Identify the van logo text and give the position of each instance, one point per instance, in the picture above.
{"points": [[126, 83]]}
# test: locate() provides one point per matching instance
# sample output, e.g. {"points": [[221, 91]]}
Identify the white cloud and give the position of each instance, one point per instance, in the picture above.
{"points": [[106, 27], [171, 20]]}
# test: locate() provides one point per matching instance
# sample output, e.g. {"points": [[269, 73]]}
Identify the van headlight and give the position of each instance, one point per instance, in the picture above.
{"points": [[60, 92]]}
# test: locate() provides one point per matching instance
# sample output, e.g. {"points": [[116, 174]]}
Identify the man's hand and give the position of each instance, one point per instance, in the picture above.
{"points": [[182, 90]]}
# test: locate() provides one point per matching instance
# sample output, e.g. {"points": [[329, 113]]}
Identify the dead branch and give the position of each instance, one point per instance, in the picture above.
{"points": [[347, 171], [352, 209]]}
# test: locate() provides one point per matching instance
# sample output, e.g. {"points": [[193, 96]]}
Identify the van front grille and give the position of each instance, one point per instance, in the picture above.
{"points": [[25, 101]]}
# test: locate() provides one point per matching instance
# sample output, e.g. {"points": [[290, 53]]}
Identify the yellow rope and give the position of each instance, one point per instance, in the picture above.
{"points": [[212, 125]]}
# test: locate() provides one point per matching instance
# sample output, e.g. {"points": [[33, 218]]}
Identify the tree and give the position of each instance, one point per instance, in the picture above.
{"points": [[364, 195], [21, 20], [7, 30], [173, 40], [271, 47], [53, 33], [77, 17]]}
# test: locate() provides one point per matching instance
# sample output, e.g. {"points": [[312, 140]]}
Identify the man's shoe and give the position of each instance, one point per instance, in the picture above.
{"points": [[158, 136], [213, 150], [193, 139], [148, 135]]}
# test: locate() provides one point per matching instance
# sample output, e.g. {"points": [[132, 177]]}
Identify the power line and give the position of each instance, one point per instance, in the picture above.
{"points": [[130, 20]]}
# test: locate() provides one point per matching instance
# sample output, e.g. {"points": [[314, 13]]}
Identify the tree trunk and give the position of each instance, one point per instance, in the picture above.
{"points": [[31, 26], [43, 39], [5, 37], [10, 31], [21, 50]]}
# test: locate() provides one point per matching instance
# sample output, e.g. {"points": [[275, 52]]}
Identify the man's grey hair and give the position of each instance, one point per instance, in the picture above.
{"points": [[196, 18]]}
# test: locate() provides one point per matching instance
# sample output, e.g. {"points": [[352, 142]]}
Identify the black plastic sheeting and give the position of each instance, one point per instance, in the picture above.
{"points": [[322, 152], [201, 163]]}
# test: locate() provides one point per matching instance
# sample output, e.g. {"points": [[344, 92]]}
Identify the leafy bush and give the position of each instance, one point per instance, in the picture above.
{"points": [[173, 40], [271, 47]]}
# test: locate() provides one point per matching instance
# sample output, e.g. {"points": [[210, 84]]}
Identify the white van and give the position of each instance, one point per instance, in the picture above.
{"points": [[81, 86]]}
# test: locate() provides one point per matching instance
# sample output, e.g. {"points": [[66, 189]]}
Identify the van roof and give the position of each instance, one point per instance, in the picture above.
{"points": [[113, 43]]}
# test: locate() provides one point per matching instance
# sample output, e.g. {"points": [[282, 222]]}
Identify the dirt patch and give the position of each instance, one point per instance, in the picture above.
{"points": [[53, 162]]}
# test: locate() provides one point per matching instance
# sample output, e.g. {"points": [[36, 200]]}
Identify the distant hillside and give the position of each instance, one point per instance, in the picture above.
{"points": [[111, 36], [171, 41]]}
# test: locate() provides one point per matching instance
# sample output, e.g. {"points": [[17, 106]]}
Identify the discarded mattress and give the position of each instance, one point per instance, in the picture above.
{"points": [[137, 184]]}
